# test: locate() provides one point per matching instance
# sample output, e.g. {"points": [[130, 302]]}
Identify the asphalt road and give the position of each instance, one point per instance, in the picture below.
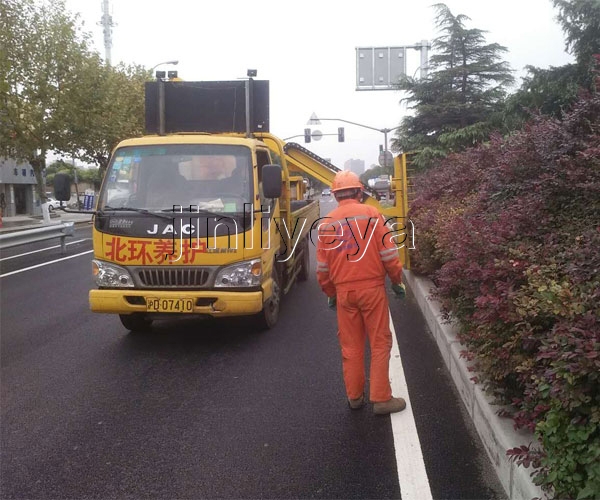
{"points": [[206, 409]]}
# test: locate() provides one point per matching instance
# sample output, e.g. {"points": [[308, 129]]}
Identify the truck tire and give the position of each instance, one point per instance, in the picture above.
{"points": [[135, 322], [305, 262], [268, 317]]}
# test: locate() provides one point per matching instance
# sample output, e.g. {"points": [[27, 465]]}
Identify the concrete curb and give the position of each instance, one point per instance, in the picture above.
{"points": [[496, 433]]}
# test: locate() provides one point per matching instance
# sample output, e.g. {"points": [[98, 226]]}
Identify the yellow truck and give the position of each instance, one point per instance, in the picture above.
{"points": [[205, 215]]}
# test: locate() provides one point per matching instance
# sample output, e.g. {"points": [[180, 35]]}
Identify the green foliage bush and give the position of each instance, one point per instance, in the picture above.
{"points": [[510, 234]]}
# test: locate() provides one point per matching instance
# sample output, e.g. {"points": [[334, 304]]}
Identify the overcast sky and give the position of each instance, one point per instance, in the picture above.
{"points": [[307, 50]]}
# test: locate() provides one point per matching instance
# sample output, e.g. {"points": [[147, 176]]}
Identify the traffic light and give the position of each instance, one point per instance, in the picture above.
{"points": [[306, 135], [341, 134]]}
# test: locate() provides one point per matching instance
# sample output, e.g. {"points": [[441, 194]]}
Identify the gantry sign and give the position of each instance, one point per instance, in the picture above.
{"points": [[381, 68]]}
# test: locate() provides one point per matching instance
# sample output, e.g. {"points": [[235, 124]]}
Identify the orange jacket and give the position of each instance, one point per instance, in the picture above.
{"points": [[355, 249]]}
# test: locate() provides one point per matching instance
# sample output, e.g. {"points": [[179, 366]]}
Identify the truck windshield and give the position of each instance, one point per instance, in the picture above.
{"points": [[209, 177]]}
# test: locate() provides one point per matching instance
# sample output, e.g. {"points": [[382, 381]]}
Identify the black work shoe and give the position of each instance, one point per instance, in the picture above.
{"points": [[356, 404], [393, 405]]}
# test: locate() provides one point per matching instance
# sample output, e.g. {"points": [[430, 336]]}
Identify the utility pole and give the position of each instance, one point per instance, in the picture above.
{"points": [[76, 180], [424, 47], [107, 24]]}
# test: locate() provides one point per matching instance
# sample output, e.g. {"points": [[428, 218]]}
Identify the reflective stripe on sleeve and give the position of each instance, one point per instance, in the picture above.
{"points": [[322, 267], [388, 254]]}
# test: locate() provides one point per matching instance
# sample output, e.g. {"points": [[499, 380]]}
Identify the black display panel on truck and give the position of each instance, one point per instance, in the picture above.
{"points": [[214, 107]]}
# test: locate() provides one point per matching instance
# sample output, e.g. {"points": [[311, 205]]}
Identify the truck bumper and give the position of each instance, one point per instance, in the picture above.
{"points": [[212, 303]]}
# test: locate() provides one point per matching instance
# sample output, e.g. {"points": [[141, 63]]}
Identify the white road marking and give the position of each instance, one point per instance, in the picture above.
{"points": [[42, 250], [44, 264], [412, 476]]}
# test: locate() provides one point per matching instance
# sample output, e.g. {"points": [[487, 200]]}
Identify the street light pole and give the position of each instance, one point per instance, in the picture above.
{"points": [[174, 63], [161, 96], [316, 121]]}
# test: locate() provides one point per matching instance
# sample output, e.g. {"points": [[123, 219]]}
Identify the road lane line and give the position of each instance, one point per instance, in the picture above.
{"points": [[42, 250], [412, 476], [45, 264]]}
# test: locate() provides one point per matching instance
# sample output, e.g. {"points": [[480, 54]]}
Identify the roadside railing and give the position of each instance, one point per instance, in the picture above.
{"points": [[17, 238]]}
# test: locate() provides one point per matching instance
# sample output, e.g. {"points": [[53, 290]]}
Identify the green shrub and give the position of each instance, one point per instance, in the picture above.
{"points": [[510, 234]]}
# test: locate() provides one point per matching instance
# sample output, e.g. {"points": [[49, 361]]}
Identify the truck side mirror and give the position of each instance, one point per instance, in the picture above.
{"points": [[62, 187], [271, 181]]}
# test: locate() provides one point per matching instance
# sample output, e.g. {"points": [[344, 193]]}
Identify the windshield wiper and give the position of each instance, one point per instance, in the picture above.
{"points": [[143, 211]]}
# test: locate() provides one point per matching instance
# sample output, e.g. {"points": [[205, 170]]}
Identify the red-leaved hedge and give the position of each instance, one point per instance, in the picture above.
{"points": [[510, 234]]}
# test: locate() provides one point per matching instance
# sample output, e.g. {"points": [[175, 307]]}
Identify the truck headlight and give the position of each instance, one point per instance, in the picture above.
{"points": [[247, 273], [109, 275]]}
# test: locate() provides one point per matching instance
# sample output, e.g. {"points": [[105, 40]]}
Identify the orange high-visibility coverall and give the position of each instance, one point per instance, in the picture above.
{"points": [[354, 253]]}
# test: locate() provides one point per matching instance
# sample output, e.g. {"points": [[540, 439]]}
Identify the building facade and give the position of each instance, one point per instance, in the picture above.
{"points": [[17, 189], [356, 166]]}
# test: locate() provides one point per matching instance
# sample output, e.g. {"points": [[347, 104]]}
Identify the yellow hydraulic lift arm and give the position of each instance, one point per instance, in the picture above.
{"points": [[300, 159]]}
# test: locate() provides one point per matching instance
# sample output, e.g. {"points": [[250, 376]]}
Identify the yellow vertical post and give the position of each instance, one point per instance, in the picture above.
{"points": [[400, 187]]}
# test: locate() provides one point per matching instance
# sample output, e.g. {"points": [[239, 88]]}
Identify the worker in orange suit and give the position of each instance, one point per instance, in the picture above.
{"points": [[353, 258]]}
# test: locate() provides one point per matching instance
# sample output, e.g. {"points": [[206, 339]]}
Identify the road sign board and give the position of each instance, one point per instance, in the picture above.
{"points": [[379, 68]]}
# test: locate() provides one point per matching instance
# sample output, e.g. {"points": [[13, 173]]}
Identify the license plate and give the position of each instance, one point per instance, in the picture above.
{"points": [[154, 304]]}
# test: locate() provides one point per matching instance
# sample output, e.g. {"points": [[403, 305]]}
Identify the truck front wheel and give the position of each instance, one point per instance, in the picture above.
{"points": [[135, 322], [268, 317]]}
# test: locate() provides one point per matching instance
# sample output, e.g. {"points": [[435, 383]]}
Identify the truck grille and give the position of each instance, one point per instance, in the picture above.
{"points": [[173, 277]]}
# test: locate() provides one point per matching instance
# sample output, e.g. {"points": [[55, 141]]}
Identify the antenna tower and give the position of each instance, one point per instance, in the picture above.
{"points": [[107, 24]]}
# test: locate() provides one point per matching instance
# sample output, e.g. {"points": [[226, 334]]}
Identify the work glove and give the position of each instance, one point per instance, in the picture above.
{"points": [[399, 290], [331, 302]]}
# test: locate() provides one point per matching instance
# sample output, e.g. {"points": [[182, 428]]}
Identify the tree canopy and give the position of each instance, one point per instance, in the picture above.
{"points": [[466, 85], [57, 95], [580, 21], [552, 91], [111, 104], [43, 53]]}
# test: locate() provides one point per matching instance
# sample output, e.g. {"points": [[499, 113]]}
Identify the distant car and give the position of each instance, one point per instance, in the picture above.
{"points": [[326, 192], [52, 203]]}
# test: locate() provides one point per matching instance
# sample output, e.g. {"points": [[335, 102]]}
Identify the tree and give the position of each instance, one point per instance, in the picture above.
{"points": [[549, 91], [112, 99], [553, 91], [580, 21], [374, 172], [460, 101], [92, 176], [89, 175], [57, 94], [43, 53]]}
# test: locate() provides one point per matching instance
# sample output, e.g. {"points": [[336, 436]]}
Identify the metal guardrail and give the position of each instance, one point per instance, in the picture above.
{"points": [[17, 238]]}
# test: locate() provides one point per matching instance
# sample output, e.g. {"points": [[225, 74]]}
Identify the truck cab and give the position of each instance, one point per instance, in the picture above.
{"points": [[192, 224]]}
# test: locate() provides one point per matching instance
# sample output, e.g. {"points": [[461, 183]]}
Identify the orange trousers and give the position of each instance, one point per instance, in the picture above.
{"points": [[360, 313]]}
